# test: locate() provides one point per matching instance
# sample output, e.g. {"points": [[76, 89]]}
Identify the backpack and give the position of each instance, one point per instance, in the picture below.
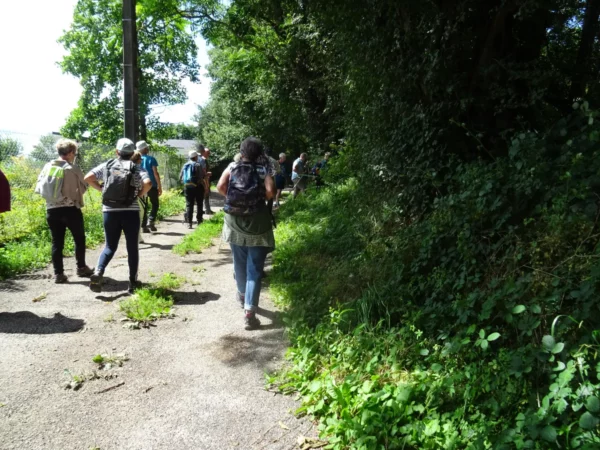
{"points": [[246, 193], [50, 182], [118, 190], [190, 172]]}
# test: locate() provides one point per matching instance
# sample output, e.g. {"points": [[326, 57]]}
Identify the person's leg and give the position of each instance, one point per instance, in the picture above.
{"points": [[145, 216], [130, 223], [199, 199], [112, 234], [207, 199], [254, 270], [141, 213], [76, 226], [153, 196], [190, 199], [240, 256], [58, 228]]}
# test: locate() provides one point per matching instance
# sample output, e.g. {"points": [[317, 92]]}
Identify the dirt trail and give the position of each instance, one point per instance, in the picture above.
{"points": [[192, 382]]}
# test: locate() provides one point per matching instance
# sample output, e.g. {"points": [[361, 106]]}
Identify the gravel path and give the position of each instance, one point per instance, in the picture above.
{"points": [[192, 382]]}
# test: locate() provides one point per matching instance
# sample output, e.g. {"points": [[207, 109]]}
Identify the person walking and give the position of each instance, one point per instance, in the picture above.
{"points": [[4, 193], [61, 183], [123, 184], [298, 176], [149, 164], [192, 175], [280, 178], [137, 160], [247, 226], [205, 154], [318, 169]]}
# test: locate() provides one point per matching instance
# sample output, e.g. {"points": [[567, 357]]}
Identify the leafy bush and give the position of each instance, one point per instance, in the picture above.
{"points": [[473, 324]]}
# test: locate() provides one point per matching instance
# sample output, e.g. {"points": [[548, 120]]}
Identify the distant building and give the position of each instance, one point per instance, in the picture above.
{"points": [[183, 146]]}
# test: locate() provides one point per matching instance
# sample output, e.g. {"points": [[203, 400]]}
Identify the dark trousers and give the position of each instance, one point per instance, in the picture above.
{"points": [[153, 198], [194, 195], [59, 219], [116, 222]]}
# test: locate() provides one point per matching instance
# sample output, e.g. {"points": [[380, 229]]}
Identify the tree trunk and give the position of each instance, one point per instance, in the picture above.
{"points": [[586, 45]]}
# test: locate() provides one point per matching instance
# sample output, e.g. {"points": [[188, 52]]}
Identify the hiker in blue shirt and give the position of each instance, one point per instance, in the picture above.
{"points": [[149, 164], [192, 175]]}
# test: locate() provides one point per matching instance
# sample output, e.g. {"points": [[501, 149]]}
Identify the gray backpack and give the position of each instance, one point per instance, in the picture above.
{"points": [[50, 182], [118, 190]]}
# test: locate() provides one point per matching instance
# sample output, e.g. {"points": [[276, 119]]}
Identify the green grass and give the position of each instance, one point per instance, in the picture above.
{"points": [[169, 281], [25, 242], [147, 304], [201, 237]]}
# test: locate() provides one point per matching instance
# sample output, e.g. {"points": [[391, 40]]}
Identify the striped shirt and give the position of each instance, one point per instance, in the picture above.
{"points": [[138, 179]]}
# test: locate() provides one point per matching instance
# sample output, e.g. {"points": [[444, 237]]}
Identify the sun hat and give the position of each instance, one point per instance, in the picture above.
{"points": [[192, 154], [141, 145], [125, 145]]}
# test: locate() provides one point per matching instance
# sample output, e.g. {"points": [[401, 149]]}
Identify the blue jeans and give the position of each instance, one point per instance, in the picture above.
{"points": [[248, 265], [116, 222]]}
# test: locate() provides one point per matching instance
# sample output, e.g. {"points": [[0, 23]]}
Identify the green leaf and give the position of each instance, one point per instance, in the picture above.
{"points": [[592, 404], [536, 309], [493, 337], [587, 421], [548, 433], [518, 309], [315, 386], [424, 352], [548, 342], [481, 334], [436, 367], [558, 348], [484, 344]]}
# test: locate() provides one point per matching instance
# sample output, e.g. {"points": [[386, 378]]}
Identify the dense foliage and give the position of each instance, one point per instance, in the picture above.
{"points": [[444, 292]]}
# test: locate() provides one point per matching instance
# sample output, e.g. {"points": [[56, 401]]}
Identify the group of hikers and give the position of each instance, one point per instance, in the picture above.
{"points": [[252, 186]]}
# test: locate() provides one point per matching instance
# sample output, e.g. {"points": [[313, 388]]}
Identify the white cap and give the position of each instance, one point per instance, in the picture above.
{"points": [[141, 145], [192, 154], [125, 145]]}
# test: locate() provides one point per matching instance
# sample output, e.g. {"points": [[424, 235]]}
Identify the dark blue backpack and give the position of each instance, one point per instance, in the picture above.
{"points": [[246, 193]]}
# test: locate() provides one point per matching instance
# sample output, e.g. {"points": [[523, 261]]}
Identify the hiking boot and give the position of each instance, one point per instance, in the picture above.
{"points": [[84, 271], [145, 230], [96, 281], [60, 278], [240, 298], [251, 322], [152, 227], [133, 285]]}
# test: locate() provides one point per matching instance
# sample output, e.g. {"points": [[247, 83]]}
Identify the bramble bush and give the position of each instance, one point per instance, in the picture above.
{"points": [[473, 324]]}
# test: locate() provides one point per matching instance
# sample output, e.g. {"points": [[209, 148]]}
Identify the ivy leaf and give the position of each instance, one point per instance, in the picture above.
{"points": [[592, 404], [558, 348], [548, 342], [493, 337], [587, 421], [518, 309], [548, 433]]}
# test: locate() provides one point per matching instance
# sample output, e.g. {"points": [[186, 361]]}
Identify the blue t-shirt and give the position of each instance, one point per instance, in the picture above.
{"points": [[148, 164]]}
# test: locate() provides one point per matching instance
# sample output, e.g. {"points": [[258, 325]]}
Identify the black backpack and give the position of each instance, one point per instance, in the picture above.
{"points": [[246, 193], [118, 190]]}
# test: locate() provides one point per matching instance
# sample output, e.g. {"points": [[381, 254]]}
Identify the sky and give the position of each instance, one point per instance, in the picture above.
{"points": [[35, 96]]}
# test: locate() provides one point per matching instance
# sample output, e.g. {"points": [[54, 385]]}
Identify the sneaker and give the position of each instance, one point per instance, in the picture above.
{"points": [[96, 282], [133, 285], [60, 278], [84, 271], [145, 230], [152, 226], [240, 298], [251, 322]]}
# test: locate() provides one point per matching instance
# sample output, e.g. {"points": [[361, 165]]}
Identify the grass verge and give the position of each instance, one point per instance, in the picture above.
{"points": [[201, 237]]}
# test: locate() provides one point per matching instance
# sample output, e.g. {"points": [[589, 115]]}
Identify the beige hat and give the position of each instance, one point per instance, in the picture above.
{"points": [[192, 154], [141, 145], [125, 146]]}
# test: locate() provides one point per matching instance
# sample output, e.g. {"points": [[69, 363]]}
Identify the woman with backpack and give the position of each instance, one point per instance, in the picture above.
{"points": [[247, 227]]}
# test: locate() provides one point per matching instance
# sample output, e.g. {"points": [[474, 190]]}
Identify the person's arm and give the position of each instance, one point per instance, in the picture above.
{"points": [[91, 179], [223, 183], [295, 168], [181, 175], [270, 187], [157, 177]]}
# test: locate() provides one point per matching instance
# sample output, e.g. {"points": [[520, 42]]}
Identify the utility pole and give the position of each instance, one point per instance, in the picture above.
{"points": [[130, 71]]}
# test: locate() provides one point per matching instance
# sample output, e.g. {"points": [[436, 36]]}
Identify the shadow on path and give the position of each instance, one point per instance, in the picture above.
{"points": [[194, 298], [236, 351], [27, 322]]}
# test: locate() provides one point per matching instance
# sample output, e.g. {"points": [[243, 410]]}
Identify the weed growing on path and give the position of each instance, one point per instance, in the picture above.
{"points": [[147, 305], [201, 237], [169, 281], [107, 362]]}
